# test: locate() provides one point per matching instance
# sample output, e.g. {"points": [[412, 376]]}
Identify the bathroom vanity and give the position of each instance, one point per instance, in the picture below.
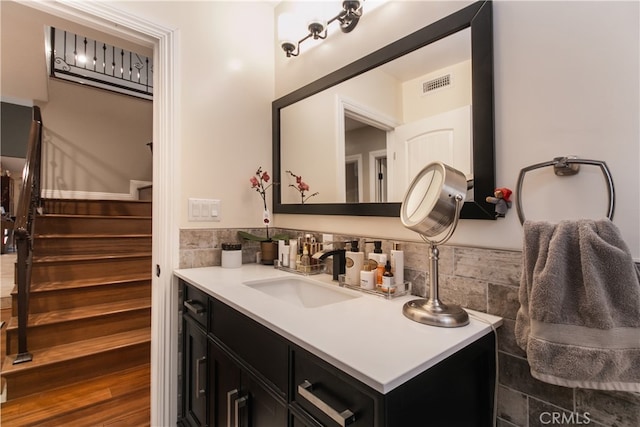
{"points": [[262, 347]]}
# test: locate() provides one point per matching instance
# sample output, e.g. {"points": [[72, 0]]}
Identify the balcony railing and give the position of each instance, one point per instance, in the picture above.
{"points": [[83, 60]]}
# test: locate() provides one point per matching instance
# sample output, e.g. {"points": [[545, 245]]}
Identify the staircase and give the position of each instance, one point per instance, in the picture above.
{"points": [[89, 318]]}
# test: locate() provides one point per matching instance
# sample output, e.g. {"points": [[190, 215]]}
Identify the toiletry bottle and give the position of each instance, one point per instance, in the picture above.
{"points": [[367, 278], [388, 285], [293, 253], [284, 254], [397, 266], [280, 262], [305, 260], [299, 254], [354, 264], [379, 258]]}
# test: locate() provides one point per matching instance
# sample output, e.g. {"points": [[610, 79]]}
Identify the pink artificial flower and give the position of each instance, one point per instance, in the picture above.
{"points": [[254, 182], [265, 177], [303, 186]]}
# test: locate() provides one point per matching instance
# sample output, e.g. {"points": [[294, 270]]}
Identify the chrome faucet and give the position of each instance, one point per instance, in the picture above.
{"points": [[339, 259]]}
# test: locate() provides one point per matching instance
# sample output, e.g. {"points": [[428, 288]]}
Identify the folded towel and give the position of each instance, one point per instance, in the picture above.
{"points": [[579, 316]]}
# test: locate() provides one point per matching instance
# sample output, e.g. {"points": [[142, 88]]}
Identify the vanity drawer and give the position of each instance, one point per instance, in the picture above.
{"points": [[265, 352], [328, 395], [195, 304]]}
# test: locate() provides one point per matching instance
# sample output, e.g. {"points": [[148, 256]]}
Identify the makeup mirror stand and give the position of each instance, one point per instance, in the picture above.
{"points": [[432, 207], [432, 311]]}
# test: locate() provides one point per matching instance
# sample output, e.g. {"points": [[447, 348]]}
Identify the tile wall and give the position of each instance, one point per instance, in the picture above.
{"points": [[481, 279]]}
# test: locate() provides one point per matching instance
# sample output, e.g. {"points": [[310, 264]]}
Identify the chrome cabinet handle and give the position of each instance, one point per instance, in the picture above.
{"points": [[343, 418], [231, 395], [238, 403], [199, 391], [193, 306]]}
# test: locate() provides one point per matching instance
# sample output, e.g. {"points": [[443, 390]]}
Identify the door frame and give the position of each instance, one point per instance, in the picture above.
{"points": [[166, 166]]}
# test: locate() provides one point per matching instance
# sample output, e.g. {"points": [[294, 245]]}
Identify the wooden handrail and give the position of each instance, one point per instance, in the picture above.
{"points": [[28, 203]]}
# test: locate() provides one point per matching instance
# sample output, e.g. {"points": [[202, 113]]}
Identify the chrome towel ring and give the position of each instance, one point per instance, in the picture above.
{"points": [[565, 166]]}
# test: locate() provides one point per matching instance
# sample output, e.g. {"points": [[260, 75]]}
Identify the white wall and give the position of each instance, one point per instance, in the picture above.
{"points": [[566, 83], [94, 141], [226, 87]]}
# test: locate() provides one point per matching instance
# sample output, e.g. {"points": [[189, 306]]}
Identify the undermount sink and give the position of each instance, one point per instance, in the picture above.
{"points": [[301, 291]]}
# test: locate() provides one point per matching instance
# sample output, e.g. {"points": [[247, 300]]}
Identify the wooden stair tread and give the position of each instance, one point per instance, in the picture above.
{"points": [[52, 403], [52, 355], [72, 284], [90, 311], [71, 200], [92, 236], [90, 216], [89, 257]]}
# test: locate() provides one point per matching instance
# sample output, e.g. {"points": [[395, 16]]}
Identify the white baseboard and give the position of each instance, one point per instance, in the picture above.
{"points": [[134, 185], [96, 195]]}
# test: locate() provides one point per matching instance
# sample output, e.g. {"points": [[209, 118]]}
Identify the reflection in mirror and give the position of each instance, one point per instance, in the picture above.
{"points": [[383, 126], [367, 145], [359, 135]]}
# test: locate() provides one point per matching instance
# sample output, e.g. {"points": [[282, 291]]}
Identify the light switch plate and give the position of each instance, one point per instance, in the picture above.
{"points": [[204, 210]]}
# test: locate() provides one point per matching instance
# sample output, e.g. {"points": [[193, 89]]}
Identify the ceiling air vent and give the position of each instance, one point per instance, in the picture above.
{"points": [[436, 84]]}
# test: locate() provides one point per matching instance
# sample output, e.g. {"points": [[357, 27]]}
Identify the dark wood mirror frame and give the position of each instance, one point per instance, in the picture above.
{"points": [[479, 17]]}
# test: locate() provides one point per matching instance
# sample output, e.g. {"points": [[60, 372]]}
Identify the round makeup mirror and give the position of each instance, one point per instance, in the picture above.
{"points": [[431, 207]]}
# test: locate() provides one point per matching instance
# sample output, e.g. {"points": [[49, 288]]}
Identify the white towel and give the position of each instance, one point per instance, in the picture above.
{"points": [[579, 316]]}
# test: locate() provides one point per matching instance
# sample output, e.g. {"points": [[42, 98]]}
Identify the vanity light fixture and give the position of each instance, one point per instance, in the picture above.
{"points": [[348, 18], [432, 207]]}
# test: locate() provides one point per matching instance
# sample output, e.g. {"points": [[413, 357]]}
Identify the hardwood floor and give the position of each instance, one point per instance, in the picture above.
{"points": [[117, 399]]}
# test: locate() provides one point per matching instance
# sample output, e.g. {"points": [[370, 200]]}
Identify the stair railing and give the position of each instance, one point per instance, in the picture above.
{"points": [[28, 205]]}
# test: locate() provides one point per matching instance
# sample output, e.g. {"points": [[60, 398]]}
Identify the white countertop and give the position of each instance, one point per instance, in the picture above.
{"points": [[367, 337]]}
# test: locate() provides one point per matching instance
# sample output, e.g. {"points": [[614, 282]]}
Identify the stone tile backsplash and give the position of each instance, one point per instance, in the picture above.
{"points": [[481, 279]]}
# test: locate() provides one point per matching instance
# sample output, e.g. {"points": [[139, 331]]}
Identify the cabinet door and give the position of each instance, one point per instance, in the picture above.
{"points": [[263, 408], [238, 399], [195, 373], [224, 377]]}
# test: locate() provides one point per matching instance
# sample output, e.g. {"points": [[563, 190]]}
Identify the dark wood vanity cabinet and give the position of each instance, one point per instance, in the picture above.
{"points": [[250, 376], [195, 357]]}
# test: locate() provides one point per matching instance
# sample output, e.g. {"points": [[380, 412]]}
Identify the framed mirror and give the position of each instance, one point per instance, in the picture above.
{"points": [[314, 127]]}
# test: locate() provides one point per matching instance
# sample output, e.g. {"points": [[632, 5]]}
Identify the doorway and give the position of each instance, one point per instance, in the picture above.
{"points": [[166, 122]]}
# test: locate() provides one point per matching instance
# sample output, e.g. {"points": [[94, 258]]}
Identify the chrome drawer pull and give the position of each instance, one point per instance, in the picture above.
{"points": [[193, 306], [343, 418]]}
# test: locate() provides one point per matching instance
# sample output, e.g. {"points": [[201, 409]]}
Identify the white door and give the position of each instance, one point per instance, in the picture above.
{"points": [[445, 137]]}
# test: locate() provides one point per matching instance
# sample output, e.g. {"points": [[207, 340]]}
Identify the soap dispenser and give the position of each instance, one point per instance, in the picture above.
{"points": [[354, 264]]}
